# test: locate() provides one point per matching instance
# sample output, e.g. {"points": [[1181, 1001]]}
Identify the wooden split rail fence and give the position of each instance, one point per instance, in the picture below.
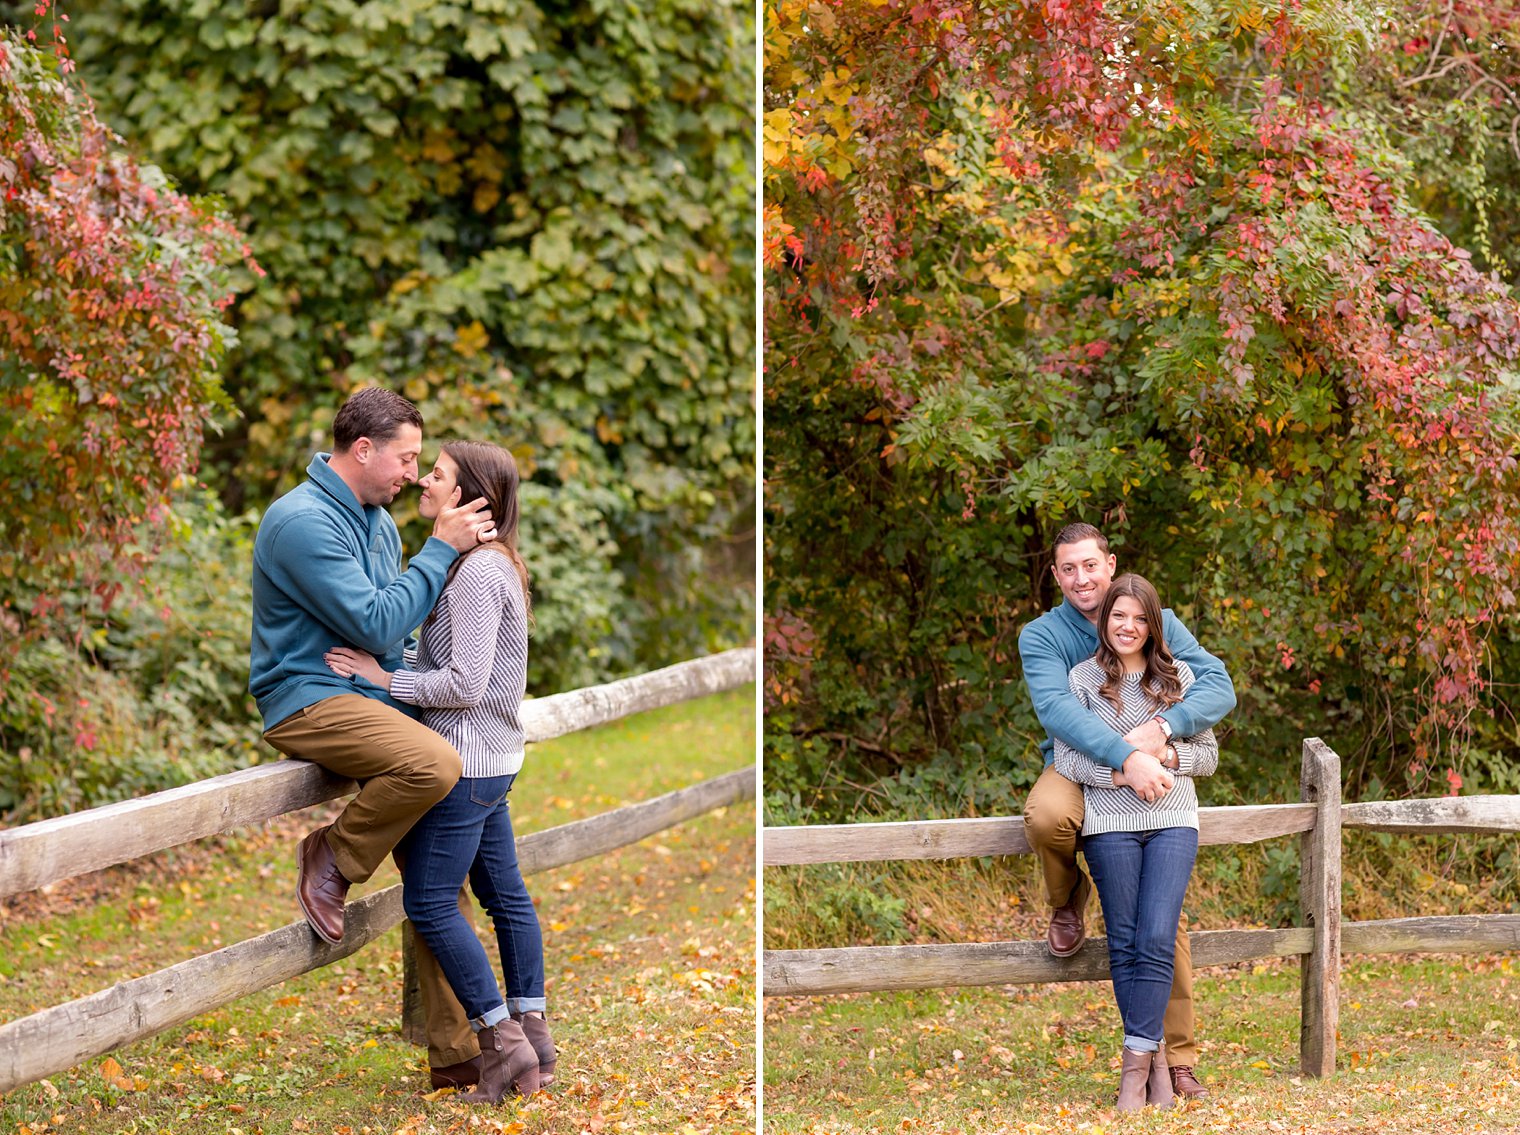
{"points": [[1320, 942], [35, 855]]}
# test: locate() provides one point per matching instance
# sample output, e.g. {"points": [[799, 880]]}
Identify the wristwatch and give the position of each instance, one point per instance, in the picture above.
{"points": [[1173, 760], [1166, 726]]}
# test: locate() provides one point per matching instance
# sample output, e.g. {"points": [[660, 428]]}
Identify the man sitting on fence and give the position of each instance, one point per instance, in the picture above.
{"points": [[1050, 648], [327, 572]]}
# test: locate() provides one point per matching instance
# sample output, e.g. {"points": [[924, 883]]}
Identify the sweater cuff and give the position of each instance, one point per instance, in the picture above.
{"points": [[404, 686], [1184, 755]]}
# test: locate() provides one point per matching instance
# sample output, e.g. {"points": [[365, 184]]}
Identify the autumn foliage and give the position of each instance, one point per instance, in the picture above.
{"points": [[1163, 268], [112, 287]]}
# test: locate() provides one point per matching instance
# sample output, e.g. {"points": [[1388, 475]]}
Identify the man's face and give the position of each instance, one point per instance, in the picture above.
{"points": [[1084, 573], [388, 466]]}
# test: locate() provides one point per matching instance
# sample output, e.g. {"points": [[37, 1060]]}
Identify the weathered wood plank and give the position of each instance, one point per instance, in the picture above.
{"points": [[1429, 817], [1440, 934], [867, 969], [583, 839], [1320, 895], [545, 718], [912, 839], [34, 855], [1000, 835], [864, 969], [53, 1039]]}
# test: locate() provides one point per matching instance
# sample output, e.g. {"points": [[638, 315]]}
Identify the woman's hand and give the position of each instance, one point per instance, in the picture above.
{"points": [[347, 663]]}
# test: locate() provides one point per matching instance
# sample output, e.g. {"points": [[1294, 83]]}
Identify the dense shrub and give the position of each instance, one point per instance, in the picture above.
{"points": [[535, 220], [112, 287], [1167, 271]]}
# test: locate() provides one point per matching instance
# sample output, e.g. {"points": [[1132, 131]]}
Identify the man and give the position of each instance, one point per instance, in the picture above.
{"points": [[327, 572], [1049, 647]]}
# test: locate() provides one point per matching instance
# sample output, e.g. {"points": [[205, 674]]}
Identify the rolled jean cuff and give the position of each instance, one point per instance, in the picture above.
{"points": [[1140, 1044], [492, 1017], [521, 1005]]}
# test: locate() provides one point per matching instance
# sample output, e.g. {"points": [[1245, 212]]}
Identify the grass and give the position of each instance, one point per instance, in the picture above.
{"points": [[650, 970], [1426, 1045]]}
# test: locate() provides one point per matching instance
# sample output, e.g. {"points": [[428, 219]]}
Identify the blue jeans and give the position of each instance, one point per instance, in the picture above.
{"points": [[1142, 878], [469, 833]]}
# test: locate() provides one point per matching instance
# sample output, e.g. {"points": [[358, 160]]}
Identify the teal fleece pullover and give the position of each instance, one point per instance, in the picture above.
{"points": [[1053, 645], [327, 572]]}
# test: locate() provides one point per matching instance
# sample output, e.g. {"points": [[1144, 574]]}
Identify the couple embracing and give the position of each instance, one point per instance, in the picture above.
{"points": [[431, 734], [1128, 700]]}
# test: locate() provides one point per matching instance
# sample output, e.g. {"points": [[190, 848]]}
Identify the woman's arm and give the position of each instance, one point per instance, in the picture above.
{"points": [[1197, 755], [1073, 764]]}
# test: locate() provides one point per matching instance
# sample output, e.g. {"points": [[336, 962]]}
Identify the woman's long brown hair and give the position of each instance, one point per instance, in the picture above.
{"points": [[1160, 678], [490, 471]]}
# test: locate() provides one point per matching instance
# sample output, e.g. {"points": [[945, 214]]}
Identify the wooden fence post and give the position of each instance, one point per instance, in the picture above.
{"points": [[1320, 894], [413, 1019]]}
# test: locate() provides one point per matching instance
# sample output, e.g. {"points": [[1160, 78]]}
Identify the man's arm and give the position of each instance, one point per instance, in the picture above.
{"points": [[1211, 697], [309, 560], [1047, 673]]}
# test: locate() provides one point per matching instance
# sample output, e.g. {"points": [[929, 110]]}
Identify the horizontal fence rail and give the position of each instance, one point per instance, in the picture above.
{"points": [[1319, 821], [51, 1040], [32, 856], [35, 855], [883, 969], [1004, 835]]}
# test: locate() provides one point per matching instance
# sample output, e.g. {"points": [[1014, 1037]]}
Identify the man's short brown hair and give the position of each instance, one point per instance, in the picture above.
{"points": [[1076, 533], [375, 413]]}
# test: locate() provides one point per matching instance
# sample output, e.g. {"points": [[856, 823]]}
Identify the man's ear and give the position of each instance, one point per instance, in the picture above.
{"points": [[362, 449]]}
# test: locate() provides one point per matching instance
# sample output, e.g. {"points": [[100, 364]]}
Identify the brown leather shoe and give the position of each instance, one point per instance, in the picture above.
{"points": [[1185, 1084], [321, 887], [465, 1074], [1068, 925]]}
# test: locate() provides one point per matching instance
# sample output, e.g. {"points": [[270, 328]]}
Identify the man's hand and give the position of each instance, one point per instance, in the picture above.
{"points": [[1147, 738], [1144, 774], [462, 527]]}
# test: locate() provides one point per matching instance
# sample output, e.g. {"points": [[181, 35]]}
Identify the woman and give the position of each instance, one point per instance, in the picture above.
{"points": [[471, 669], [1140, 854]]}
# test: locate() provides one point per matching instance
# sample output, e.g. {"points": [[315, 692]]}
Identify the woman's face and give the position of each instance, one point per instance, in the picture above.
{"points": [[437, 486], [1128, 631]]}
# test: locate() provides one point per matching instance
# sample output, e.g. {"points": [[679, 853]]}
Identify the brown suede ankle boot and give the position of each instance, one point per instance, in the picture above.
{"points": [[1134, 1073], [507, 1063], [535, 1026], [1158, 1090]]}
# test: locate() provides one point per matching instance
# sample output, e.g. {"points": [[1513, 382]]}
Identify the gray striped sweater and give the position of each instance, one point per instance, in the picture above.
{"points": [[1110, 809], [472, 666]]}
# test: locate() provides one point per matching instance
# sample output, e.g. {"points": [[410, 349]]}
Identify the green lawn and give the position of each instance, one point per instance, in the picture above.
{"points": [[650, 961], [1426, 1045]]}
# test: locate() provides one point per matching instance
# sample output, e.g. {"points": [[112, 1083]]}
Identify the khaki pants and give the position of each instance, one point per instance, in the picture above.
{"points": [[403, 769], [1053, 823], [450, 1036]]}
